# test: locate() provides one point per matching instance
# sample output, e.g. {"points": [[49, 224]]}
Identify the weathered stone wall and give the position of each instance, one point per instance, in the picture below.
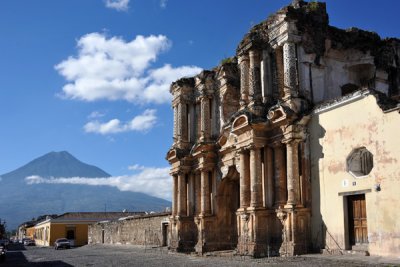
{"points": [[144, 230]]}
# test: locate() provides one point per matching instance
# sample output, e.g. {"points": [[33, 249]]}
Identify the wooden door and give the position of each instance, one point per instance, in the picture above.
{"points": [[357, 219]]}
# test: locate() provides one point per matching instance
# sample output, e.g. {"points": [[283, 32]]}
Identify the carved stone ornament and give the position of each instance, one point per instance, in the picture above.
{"points": [[224, 171], [244, 217], [277, 114], [282, 215]]}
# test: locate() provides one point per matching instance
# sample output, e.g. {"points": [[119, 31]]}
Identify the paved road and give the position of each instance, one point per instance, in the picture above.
{"points": [[127, 255]]}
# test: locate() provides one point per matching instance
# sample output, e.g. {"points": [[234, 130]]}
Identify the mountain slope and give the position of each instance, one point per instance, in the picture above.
{"points": [[56, 164], [21, 202]]}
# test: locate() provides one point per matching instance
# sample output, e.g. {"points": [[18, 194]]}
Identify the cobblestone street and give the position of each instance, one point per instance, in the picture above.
{"points": [[118, 255]]}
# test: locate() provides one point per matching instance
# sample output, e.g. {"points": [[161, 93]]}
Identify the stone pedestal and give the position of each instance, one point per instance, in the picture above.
{"points": [[295, 231], [183, 234], [255, 227], [206, 235]]}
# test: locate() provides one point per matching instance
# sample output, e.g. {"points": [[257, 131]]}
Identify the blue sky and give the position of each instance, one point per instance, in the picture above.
{"points": [[91, 77]]}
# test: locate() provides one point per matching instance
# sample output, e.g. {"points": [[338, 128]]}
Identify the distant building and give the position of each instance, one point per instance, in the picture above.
{"points": [[292, 145], [73, 226]]}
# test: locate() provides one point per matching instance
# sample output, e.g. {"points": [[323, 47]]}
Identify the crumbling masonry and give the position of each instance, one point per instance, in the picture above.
{"points": [[241, 153]]}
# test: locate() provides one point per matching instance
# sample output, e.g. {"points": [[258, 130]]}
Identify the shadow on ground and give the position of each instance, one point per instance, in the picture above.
{"points": [[16, 258]]}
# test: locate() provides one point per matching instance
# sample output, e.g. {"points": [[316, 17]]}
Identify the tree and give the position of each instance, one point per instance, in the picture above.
{"points": [[2, 229]]}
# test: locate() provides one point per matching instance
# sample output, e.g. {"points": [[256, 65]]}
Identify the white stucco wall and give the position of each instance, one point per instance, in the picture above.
{"points": [[334, 134]]}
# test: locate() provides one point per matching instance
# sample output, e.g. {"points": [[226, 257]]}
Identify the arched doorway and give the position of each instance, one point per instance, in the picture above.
{"points": [[228, 203]]}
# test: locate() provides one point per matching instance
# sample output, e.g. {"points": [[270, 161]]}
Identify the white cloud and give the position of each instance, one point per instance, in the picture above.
{"points": [[140, 123], [134, 167], [163, 3], [96, 115], [114, 69], [119, 5], [153, 181]]}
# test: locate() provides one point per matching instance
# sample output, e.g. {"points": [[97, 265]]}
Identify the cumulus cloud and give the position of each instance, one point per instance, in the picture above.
{"points": [[140, 123], [115, 69], [119, 5], [152, 181]]}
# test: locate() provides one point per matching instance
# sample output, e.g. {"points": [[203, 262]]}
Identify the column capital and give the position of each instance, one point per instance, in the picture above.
{"points": [[242, 150], [294, 133], [206, 168], [182, 171], [243, 57], [254, 52], [276, 143], [291, 141]]}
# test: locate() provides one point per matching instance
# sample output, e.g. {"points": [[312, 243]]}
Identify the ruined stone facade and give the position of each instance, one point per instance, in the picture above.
{"points": [[243, 160]]}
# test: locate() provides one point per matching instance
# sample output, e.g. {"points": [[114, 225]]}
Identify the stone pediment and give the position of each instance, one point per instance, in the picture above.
{"points": [[174, 154], [222, 140], [279, 113], [241, 124], [202, 148]]}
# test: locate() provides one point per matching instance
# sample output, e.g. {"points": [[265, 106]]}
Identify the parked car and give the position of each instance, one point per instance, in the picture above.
{"points": [[62, 243], [22, 241], [2, 252], [4, 242], [29, 242]]}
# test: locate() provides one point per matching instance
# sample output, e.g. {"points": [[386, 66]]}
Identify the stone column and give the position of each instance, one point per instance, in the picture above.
{"points": [[278, 73], [198, 120], [292, 172], [175, 123], [182, 194], [244, 179], [183, 132], [198, 192], [290, 70], [190, 195], [205, 119], [255, 177], [174, 195], [270, 176], [254, 78], [205, 192], [244, 79], [266, 77], [280, 175]]}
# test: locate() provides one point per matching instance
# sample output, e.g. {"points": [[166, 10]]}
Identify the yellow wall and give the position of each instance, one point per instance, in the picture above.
{"points": [[30, 231], [333, 135], [59, 230]]}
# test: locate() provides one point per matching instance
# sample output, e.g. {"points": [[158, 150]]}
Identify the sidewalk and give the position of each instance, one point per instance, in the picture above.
{"points": [[367, 260]]}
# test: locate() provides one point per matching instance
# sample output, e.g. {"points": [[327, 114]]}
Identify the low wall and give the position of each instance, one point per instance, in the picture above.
{"points": [[149, 229]]}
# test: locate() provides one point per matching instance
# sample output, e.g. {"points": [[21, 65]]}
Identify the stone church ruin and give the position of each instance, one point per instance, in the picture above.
{"points": [[291, 146]]}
